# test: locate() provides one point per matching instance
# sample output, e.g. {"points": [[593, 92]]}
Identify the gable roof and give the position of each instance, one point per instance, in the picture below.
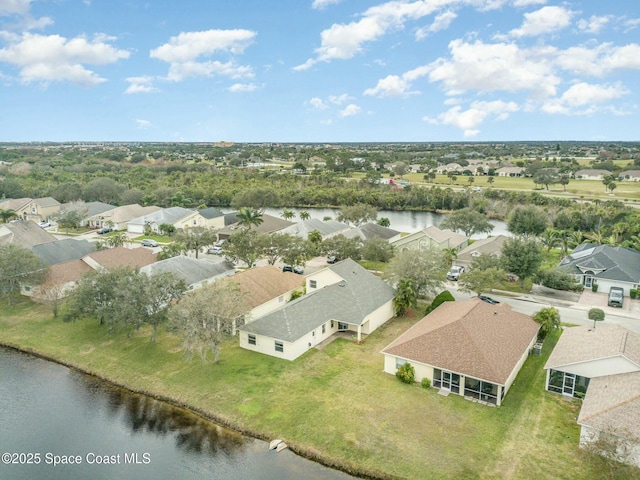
{"points": [[64, 250], [452, 238], [123, 257], [471, 338], [612, 405], [210, 213], [87, 209], [371, 230], [24, 233], [270, 224], [349, 301], [169, 216], [70, 271], [486, 246], [582, 344], [125, 213], [262, 284], [326, 228], [191, 270], [611, 263], [46, 202], [14, 203], [592, 172]]}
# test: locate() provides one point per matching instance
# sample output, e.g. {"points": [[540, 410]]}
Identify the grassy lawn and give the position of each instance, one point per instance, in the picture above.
{"points": [[157, 238], [336, 403]]}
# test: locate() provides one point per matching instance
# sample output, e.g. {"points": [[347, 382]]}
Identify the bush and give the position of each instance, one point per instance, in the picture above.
{"points": [[633, 293], [406, 373], [594, 287], [426, 383], [556, 280], [440, 298]]}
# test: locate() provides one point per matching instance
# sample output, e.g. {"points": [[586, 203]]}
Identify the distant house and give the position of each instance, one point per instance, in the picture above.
{"points": [[341, 297], [178, 217], [487, 246], [120, 257], [213, 218], [468, 348], [36, 210], [368, 231], [510, 172], [450, 167], [65, 250], [270, 224], [602, 366], [24, 233], [327, 228], [607, 266], [87, 210], [428, 237], [630, 175], [591, 174], [61, 279], [118, 217], [196, 272]]}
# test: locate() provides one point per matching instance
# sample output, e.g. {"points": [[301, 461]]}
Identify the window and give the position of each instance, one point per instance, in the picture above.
{"points": [[324, 327], [331, 323], [279, 346], [252, 339], [313, 284], [400, 362]]}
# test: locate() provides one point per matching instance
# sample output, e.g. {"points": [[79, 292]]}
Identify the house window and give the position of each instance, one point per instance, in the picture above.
{"points": [[279, 346], [400, 362], [324, 327], [313, 334], [313, 283], [252, 339], [331, 323], [343, 326]]}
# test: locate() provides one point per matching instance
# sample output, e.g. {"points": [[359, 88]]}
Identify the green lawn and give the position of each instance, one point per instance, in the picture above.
{"points": [[337, 404], [157, 238]]}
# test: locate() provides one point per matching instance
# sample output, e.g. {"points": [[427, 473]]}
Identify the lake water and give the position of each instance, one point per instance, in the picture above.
{"points": [[58, 413]]}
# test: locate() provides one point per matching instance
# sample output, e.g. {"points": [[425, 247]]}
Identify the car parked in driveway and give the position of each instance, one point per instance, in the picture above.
{"points": [[147, 242], [44, 224], [295, 269], [454, 273], [332, 259], [104, 230], [216, 250]]}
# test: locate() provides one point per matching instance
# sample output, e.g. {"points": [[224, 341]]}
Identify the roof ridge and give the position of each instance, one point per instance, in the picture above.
{"points": [[611, 407]]}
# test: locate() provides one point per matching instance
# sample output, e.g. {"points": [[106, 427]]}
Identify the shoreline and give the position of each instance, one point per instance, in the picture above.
{"points": [[307, 453]]}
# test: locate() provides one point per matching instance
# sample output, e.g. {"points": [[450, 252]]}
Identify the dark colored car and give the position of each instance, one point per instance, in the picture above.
{"points": [[104, 230], [486, 299], [332, 259], [296, 269]]}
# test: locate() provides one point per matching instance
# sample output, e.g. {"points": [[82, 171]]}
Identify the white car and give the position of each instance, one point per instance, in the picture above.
{"points": [[215, 251], [147, 242], [454, 273], [44, 224]]}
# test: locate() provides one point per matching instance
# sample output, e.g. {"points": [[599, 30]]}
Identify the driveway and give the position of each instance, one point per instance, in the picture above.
{"points": [[591, 299]]}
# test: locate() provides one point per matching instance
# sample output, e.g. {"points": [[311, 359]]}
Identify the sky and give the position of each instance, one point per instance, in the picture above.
{"points": [[319, 70]]}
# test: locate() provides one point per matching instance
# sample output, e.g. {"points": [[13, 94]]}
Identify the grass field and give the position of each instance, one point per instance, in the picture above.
{"points": [[337, 404]]}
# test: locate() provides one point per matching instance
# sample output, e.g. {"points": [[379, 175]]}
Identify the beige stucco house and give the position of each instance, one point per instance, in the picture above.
{"points": [[179, 217], [487, 246], [429, 237], [34, 209], [602, 366], [341, 297], [118, 217], [468, 348]]}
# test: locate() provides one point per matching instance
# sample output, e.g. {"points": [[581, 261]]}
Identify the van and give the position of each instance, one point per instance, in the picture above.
{"points": [[616, 297]]}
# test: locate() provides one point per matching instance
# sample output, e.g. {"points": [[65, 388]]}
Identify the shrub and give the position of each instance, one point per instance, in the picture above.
{"points": [[556, 280], [426, 383], [406, 373], [440, 298], [633, 293], [594, 287]]}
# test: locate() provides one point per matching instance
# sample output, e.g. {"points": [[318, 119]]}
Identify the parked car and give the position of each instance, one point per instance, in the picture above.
{"points": [[216, 250], [104, 230], [295, 269], [486, 299], [616, 297], [147, 242], [454, 273], [44, 224], [332, 259]]}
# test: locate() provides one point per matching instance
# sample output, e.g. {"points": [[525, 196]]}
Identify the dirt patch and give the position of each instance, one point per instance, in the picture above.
{"points": [[87, 349]]}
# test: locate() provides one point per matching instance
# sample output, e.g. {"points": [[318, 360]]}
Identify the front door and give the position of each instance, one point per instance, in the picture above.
{"points": [[568, 384], [446, 380], [588, 280]]}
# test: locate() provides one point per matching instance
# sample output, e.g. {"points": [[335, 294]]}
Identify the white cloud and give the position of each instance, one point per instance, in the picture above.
{"points": [[140, 85], [469, 120], [344, 41], [317, 103], [143, 124], [320, 4], [545, 20], [242, 87], [183, 51], [583, 98], [339, 99], [11, 7], [598, 60], [397, 86], [55, 58], [594, 24], [350, 110], [526, 3], [494, 67], [441, 22]]}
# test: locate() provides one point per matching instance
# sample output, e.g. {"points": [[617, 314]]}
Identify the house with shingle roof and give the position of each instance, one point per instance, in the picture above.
{"points": [[367, 231], [630, 175], [470, 348], [591, 174], [178, 217], [510, 172], [65, 250], [607, 266], [270, 224], [61, 279], [327, 229], [213, 217], [341, 297], [118, 217], [120, 257], [24, 233], [87, 209], [429, 237], [602, 366], [486, 246], [196, 272], [36, 209]]}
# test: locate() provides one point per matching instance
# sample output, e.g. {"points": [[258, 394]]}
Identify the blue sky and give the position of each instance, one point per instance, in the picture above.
{"points": [[319, 70]]}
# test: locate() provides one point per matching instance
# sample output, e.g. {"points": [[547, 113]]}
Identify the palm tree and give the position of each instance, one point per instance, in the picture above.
{"points": [[249, 217], [287, 214], [549, 320], [550, 238], [450, 254], [304, 215], [406, 296], [7, 215]]}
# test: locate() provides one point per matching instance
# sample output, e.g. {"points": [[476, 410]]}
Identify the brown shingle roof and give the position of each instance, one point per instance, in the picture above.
{"points": [[612, 404], [62, 273], [265, 283], [124, 257], [471, 338], [581, 344]]}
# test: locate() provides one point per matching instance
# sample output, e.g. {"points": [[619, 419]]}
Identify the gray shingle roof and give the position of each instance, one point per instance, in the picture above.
{"points": [[169, 216], [349, 301], [371, 230], [190, 269], [88, 209], [617, 263], [328, 228], [64, 250], [210, 213], [24, 233]]}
